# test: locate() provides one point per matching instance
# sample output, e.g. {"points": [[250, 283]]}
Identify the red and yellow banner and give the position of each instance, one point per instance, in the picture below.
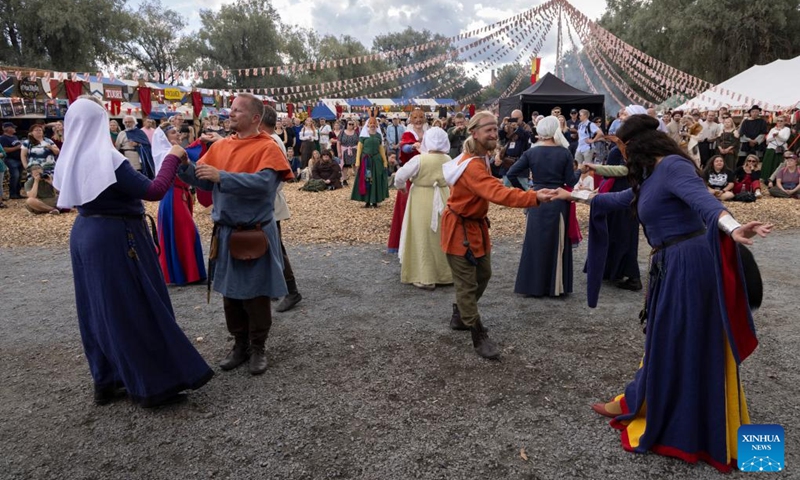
{"points": [[536, 65]]}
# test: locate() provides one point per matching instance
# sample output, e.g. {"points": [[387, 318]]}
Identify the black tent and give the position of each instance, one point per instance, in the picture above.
{"points": [[550, 92]]}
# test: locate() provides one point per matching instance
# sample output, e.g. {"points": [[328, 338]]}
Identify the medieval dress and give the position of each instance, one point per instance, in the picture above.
{"points": [[181, 253], [421, 256], [545, 266], [371, 183], [409, 138], [686, 398]]}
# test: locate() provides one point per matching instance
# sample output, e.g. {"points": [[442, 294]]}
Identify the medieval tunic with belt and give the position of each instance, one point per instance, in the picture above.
{"points": [[250, 171]]}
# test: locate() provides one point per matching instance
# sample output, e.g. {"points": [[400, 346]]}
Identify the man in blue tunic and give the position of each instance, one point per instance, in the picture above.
{"points": [[243, 172]]}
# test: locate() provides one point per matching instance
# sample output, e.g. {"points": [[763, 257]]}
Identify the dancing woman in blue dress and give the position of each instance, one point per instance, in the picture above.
{"points": [[686, 399], [128, 328]]}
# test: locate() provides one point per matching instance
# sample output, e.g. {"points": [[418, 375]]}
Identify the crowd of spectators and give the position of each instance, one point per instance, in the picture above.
{"points": [[756, 155]]}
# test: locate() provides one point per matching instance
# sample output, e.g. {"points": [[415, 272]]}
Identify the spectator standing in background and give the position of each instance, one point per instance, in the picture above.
{"points": [[588, 133], [394, 133], [127, 146], [324, 133], [752, 134], [113, 128], [12, 147], [457, 134], [777, 141]]}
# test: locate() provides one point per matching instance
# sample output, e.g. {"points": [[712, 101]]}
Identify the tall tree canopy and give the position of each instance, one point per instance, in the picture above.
{"points": [[711, 39], [71, 35]]}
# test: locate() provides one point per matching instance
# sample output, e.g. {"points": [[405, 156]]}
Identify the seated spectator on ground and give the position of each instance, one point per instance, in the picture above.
{"points": [[719, 179], [747, 179], [586, 178], [787, 181], [327, 171], [42, 196], [38, 150], [771, 180]]}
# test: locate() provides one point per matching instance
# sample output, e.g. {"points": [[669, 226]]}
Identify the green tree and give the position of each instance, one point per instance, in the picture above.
{"points": [[67, 35], [154, 46], [245, 34], [711, 39]]}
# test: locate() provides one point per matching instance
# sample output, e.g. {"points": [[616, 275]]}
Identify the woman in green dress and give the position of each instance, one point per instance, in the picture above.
{"points": [[371, 184]]}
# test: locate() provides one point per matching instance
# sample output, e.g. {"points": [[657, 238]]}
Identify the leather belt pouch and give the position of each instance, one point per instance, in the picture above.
{"points": [[248, 244]]}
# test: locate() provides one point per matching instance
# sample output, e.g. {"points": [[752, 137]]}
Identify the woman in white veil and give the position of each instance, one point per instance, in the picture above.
{"points": [[130, 336]]}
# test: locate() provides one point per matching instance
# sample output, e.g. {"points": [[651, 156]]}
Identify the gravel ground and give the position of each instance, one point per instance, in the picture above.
{"points": [[366, 380]]}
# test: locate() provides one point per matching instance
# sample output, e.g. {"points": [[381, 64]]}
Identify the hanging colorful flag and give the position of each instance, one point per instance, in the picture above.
{"points": [[536, 64]]}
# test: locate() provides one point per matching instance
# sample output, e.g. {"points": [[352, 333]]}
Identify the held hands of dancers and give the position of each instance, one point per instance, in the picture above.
{"points": [[179, 152], [583, 196], [546, 195]]}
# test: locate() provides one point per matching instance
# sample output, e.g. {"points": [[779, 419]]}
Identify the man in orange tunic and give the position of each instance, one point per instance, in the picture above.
{"points": [[465, 228]]}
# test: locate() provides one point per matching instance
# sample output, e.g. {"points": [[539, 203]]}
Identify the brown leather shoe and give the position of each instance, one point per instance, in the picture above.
{"points": [[258, 360], [484, 347], [237, 356]]}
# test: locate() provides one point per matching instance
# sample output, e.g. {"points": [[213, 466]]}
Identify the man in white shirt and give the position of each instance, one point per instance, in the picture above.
{"points": [[324, 135], [708, 137], [588, 133]]}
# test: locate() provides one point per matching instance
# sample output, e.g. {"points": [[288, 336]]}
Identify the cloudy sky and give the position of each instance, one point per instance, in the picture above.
{"points": [[365, 19]]}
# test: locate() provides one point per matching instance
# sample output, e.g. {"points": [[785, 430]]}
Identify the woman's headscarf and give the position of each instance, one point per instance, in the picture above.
{"points": [[635, 110], [549, 127], [435, 140], [88, 159], [365, 129], [161, 146]]}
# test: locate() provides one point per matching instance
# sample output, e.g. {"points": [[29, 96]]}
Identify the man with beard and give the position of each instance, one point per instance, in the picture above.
{"points": [[243, 172], [465, 228], [752, 135], [128, 147]]}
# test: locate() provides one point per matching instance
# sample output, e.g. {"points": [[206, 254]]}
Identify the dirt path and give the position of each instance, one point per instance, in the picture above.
{"points": [[366, 381]]}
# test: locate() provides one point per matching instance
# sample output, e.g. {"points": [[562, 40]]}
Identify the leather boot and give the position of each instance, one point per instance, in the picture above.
{"points": [[258, 360], [484, 347], [288, 302], [237, 356], [457, 324], [455, 320], [632, 284]]}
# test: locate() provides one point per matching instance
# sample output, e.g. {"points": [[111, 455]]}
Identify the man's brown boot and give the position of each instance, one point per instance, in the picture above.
{"points": [[484, 347], [237, 356], [258, 360]]}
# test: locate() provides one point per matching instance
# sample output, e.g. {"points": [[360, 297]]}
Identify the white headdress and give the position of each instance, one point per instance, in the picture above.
{"points": [[435, 140], [88, 160], [550, 127]]}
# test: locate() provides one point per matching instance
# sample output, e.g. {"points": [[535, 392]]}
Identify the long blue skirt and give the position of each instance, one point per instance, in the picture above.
{"points": [[545, 266], [130, 336]]}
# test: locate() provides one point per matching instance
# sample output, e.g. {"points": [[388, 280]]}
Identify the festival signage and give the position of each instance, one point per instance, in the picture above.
{"points": [[28, 88], [173, 94], [209, 100], [112, 93]]}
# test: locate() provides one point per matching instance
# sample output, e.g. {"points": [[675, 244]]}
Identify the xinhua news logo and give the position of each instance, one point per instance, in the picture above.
{"points": [[761, 448]]}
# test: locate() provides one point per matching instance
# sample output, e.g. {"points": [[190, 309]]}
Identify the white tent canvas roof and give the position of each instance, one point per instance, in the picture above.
{"points": [[771, 86]]}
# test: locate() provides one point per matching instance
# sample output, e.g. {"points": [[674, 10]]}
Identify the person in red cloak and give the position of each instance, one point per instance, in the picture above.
{"points": [[409, 148]]}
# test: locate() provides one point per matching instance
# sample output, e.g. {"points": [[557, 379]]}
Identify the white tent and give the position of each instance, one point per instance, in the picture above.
{"points": [[772, 87]]}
